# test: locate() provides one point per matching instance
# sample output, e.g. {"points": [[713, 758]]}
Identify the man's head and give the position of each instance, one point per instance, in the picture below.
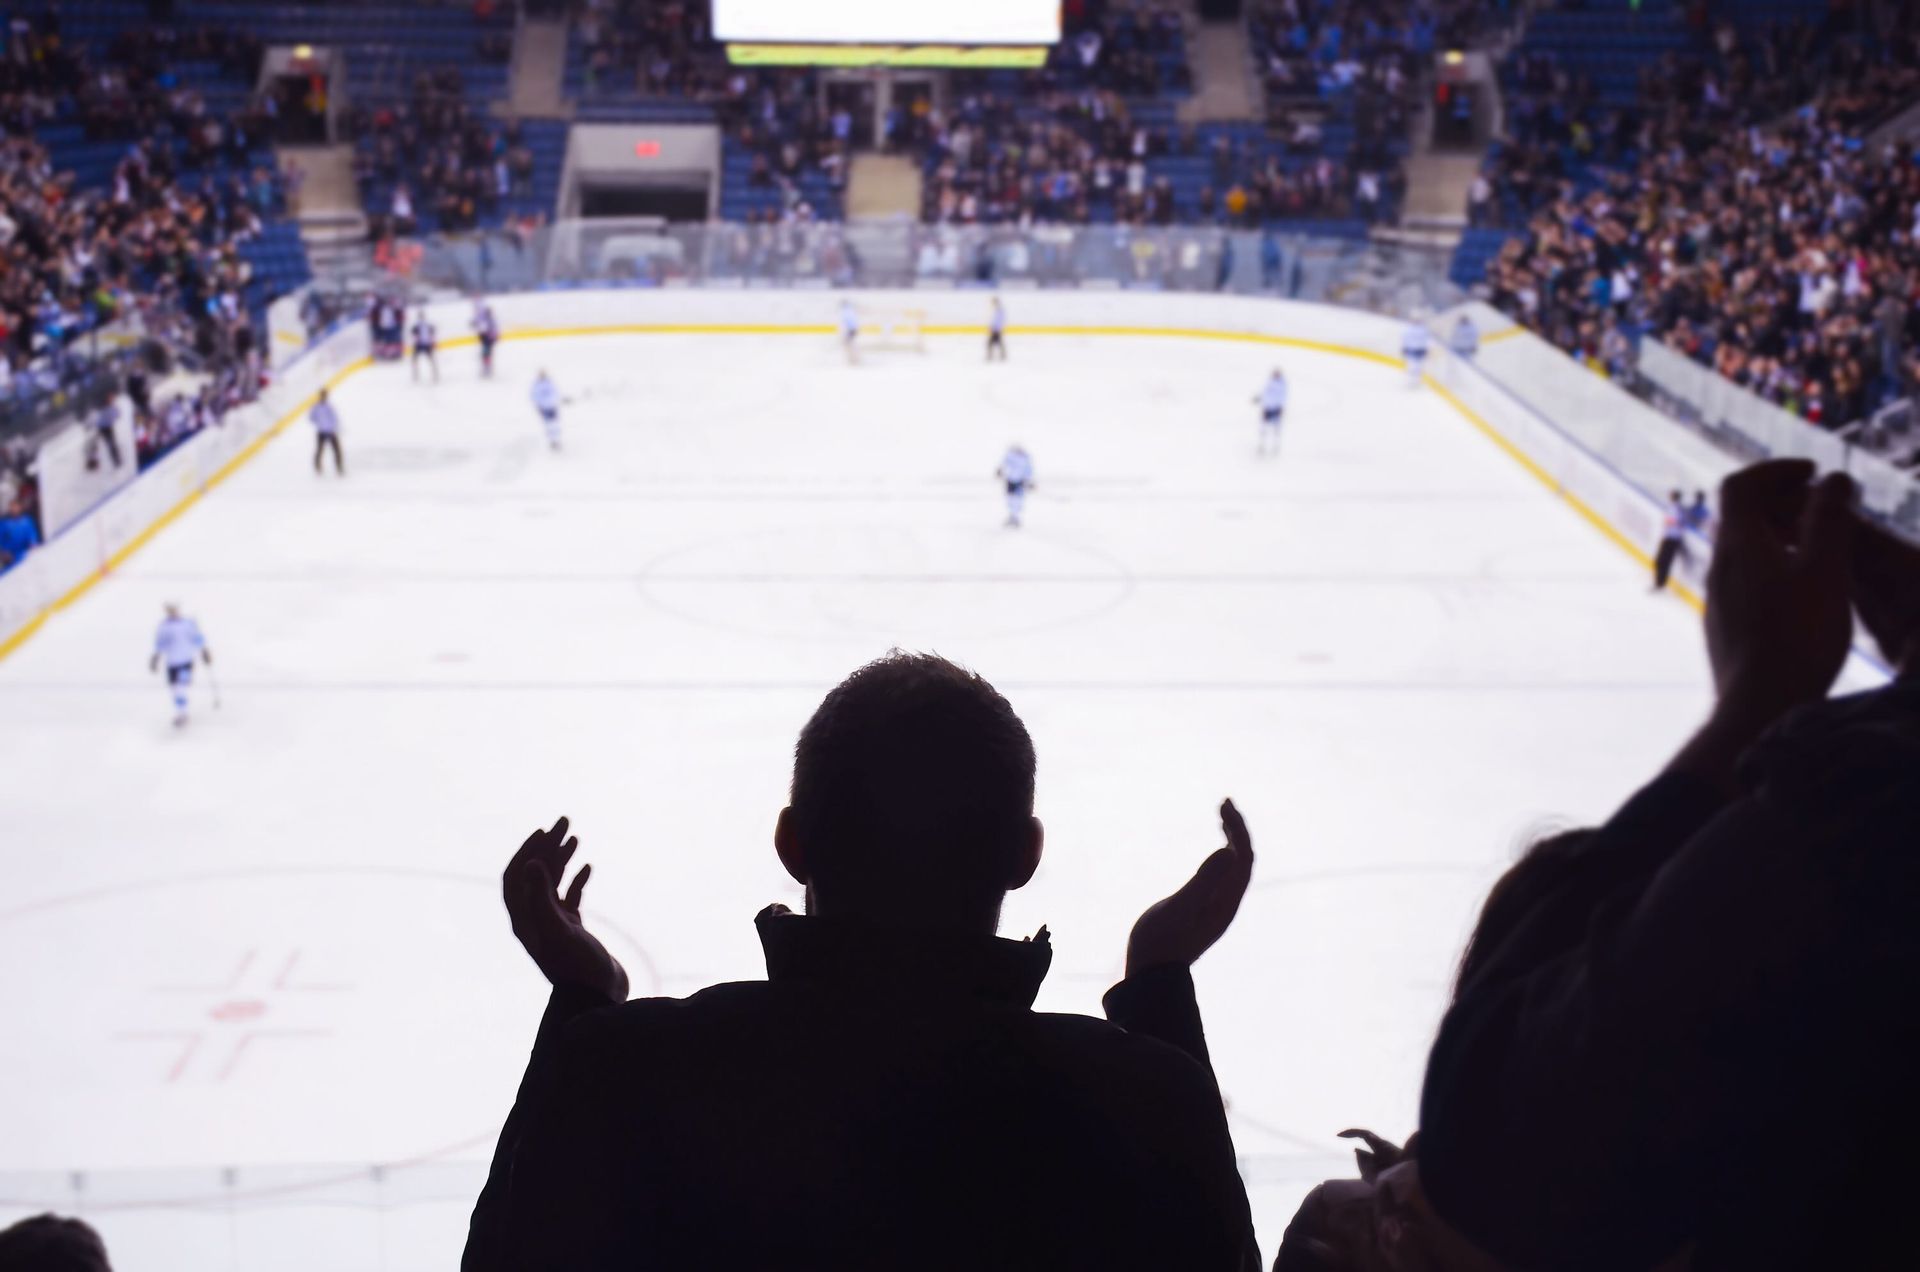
{"points": [[172, 609], [49, 1243], [912, 801]]}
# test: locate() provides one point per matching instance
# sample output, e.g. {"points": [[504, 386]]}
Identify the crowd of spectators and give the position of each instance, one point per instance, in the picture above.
{"points": [[19, 502], [153, 252], [1753, 231], [158, 242], [1358, 62], [434, 153], [1065, 155], [1136, 50]]}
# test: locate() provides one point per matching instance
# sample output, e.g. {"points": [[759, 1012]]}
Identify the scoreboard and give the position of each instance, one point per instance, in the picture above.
{"points": [[888, 32]]}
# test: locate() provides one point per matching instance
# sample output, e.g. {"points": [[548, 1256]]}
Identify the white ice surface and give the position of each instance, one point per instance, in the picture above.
{"points": [[273, 939]]}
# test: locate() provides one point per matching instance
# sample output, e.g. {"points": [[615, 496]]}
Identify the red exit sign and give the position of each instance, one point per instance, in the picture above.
{"points": [[647, 149]]}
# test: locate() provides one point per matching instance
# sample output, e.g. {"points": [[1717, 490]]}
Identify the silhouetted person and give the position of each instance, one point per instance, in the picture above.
{"points": [[48, 1243], [887, 1097], [1383, 1219], [1703, 1039]]}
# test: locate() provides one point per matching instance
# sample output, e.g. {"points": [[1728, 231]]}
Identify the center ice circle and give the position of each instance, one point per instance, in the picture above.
{"points": [[890, 581]]}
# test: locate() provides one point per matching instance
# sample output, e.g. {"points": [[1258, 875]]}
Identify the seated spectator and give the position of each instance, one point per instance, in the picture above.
{"points": [[49, 1243], [887, 1097], [1699, 1041]]}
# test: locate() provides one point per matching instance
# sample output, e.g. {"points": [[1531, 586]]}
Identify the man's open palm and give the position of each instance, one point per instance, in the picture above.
{"points": [[1179, 929], [548, 923]]}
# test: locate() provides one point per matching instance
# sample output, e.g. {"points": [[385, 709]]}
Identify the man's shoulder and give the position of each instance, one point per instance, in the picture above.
{"points": [[1123, 1057], [661, 1012]]}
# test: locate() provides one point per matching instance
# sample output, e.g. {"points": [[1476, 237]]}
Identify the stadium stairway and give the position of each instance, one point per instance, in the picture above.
{"points": [[538, 72]]}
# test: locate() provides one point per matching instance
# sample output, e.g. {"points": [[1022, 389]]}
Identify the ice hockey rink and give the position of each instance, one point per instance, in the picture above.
{"points": [[264, 1007]]}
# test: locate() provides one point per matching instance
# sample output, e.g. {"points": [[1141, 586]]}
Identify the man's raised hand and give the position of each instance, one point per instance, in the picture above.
{"points": [[1179, 929], [548, 924], [1778, 616]]}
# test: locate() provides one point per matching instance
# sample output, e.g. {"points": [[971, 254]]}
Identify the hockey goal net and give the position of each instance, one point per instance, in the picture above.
{"points": [[889, 328]]}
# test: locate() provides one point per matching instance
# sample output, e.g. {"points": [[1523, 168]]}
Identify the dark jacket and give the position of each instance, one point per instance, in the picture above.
{"points": [[1707, 1037], [884, 1099]]}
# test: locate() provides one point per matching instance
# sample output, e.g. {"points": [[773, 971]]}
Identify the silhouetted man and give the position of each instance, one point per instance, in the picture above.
{"points": [[887, 1097]]}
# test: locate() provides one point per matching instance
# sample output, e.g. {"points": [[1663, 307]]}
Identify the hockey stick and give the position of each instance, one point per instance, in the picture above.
{"points": [[213, 683]]}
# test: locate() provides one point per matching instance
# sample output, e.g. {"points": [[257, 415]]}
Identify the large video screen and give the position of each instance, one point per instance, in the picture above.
{"points": [[887, 21]]}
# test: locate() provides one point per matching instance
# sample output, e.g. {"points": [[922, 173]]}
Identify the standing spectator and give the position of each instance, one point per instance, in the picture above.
{"points": [[928, 1116]]}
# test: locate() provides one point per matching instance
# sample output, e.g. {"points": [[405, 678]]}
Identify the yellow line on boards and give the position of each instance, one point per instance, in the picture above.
{"points": [[33, 625], [1507, 334], [167, 518]]}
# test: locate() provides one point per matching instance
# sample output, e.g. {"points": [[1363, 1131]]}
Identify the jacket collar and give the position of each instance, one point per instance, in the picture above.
{"points": [[880, 960]]}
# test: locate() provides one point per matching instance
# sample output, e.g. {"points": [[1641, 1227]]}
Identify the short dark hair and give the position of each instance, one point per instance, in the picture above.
{"points": [[913, 783], [49, 1243], [1546, 864]]}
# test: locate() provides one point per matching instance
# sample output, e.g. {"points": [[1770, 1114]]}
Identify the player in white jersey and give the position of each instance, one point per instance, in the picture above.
{"points": [[486, 328], [546, 400], [326, 435], [425, 338], [1465, 340], [850, 331], [1273, 404], [1413, 347], [1016, 470], [997, 331], [175, 645]]}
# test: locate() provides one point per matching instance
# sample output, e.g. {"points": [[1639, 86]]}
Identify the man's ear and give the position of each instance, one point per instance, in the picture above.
{"points": [[786, 843], [1027, 860]]}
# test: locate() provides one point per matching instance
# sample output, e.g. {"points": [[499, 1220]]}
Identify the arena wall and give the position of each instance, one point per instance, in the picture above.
{"points": [[1625, 512]]}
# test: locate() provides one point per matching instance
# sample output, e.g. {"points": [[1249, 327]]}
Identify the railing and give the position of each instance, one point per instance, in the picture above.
{"points": [[1347, 270], [1768, 430], [1301, 265]]}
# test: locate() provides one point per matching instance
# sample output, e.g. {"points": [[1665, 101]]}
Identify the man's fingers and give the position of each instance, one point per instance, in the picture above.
{"points": [[1768, 494], [557, 859], [1826, 527], [579, 886], [1238, 837]]}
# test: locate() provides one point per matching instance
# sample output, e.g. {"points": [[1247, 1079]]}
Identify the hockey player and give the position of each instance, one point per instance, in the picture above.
{"points": [[850, 331], [1273, 405], [997, 331], [1016, 470], [102, 437], [546, 400], [1465, 340], [487, 329], [1413, 347], [326, 435], [1673, 540], [175, 645], [425, 338]]}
